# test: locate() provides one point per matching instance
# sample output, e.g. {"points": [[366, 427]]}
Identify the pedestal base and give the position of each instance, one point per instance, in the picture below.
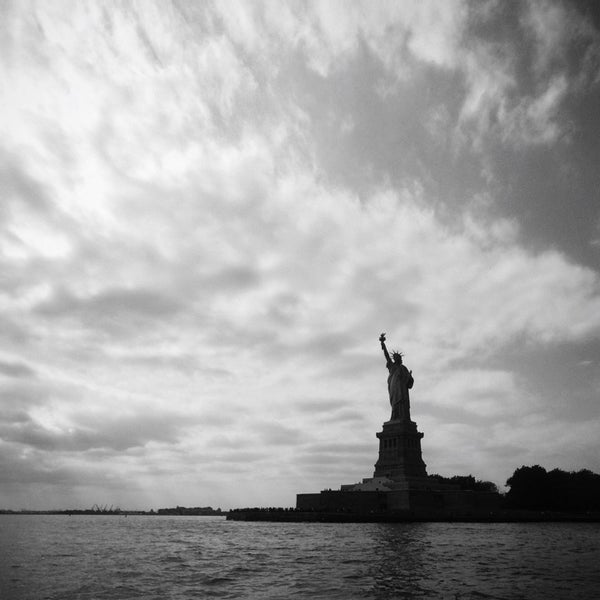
{"points": [[400, 453]]}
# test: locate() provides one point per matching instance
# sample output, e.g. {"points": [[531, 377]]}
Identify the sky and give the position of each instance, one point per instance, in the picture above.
{"points": [[210, 211]]}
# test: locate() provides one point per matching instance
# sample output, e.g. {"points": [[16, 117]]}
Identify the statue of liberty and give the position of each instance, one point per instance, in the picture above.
{"points": [[400, 380]]}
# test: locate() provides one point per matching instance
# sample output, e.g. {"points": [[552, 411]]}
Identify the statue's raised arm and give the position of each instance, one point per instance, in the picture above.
{"points": [[383, 347]]}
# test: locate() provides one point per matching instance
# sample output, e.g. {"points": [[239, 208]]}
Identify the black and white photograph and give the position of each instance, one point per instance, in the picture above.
{"points": [[299, 299]]}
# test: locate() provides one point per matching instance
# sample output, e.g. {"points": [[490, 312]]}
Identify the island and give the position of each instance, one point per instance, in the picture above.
{"points": [[400, 488]]}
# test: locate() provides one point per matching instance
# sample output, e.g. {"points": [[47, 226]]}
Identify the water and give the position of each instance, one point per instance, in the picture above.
{"points": [[117, 557]]}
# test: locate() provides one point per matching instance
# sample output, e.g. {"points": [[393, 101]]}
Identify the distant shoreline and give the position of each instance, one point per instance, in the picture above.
{"points": [[293, 516], [290, 515], [123, 513], [503, 516]]}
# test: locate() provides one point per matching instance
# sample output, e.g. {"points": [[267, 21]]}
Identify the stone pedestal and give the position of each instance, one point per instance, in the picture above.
{"points": [[400, 454]]}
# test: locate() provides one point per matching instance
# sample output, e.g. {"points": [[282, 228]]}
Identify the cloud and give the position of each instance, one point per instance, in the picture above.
{"points": [[18, 186], [320, 405], [185, 362], [276, 434], [16, 369], [340, 448], [117, 435], [488, 394], [114, 309], [13, 330]]}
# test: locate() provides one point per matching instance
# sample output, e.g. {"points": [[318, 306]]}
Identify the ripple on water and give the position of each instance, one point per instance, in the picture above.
{"points": [[89, 558]]}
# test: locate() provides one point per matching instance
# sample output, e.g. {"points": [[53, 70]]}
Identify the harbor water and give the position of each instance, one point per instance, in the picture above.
{"points": [[116, 557]]}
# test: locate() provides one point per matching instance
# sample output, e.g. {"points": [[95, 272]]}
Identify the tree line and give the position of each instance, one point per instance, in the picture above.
{"points": [[534, 488], [466, 482]]}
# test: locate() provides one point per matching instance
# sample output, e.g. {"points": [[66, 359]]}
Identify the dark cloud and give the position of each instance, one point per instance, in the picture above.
{"points": [[319, 405], [529, 144], [320, 346], [284, 308], [186, 363], [342, 447], [223, 440], [589, 9], [334, 468], [16, 369], [14, 415], [224, 332], [238, 457], [118, 434], [346, 416], [118, 302], [533, 179], [337, 457], [18, 186], [554, 369], [28, 202], [117, 310], [27, 392], [13, 330], [450, 414], [327, 461], [219, 420], [351, 365], [27, 475], [329, 411], [232, 279], [276, 434]]}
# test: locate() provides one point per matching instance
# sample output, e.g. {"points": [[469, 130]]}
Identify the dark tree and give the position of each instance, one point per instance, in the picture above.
{"points": [[467, 482], [534, 488], [528, 488]]}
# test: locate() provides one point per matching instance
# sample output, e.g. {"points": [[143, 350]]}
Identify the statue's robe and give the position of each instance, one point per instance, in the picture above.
{"points": [[399, 382]]}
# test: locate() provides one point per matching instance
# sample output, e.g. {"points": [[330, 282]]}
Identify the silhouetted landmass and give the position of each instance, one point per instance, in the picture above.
{"points": [[534, 488], [178, 510], [467, 482], [197, 510], [535, 495], [76, 511], [294, 515]]}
